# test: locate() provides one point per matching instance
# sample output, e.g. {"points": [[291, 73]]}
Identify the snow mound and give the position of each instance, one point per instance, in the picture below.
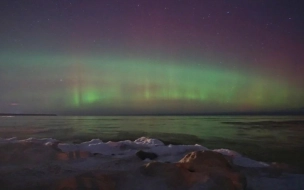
{"points": [[149, 141]]}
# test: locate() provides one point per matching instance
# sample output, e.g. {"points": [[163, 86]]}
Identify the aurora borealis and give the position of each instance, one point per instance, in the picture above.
{"points": [[151, 57]]}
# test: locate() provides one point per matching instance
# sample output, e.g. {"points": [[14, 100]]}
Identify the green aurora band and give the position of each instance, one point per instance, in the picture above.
{"points": [[144, 85]]}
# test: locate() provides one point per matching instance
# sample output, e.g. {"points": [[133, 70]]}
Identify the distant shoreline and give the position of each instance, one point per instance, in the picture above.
{"points": [[173, 114], [13, 114]]}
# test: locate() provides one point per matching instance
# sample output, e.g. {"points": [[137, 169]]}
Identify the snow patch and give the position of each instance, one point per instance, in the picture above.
{"points": [[240, 160]]}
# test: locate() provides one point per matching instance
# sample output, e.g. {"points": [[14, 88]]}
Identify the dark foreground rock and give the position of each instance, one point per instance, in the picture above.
{"points": [[144, 155], [206, 169], [89, 180]]}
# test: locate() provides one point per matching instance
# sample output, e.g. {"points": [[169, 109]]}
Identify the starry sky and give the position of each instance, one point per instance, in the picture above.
{"points": [[100, 57]]}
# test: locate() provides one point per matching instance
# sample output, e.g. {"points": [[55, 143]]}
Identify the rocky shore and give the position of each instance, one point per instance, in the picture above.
{"points": [[37, 164]]}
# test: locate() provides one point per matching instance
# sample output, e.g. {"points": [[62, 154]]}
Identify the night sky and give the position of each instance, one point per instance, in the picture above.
{"points": [[151, 56]]}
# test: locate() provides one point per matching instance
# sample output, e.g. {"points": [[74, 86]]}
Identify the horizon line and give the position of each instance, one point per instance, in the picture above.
{"points": [[262, 113]]}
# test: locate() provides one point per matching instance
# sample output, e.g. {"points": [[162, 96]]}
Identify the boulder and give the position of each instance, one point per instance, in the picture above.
{"points": [[207, 169], [171, 173], [199, 160]]}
